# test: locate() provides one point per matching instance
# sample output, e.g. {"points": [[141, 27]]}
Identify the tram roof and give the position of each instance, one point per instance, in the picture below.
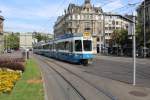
{"points": [[65, 36]]}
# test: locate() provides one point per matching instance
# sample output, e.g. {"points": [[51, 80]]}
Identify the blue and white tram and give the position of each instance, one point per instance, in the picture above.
{"points": [[77, 49]]}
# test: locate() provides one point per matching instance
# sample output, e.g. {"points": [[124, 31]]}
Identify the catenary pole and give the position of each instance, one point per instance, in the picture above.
{"points": [[134, 51], [144, 32]]}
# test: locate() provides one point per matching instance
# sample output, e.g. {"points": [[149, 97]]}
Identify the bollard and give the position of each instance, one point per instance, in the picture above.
{"points": [[27, 54], [23, 55]]}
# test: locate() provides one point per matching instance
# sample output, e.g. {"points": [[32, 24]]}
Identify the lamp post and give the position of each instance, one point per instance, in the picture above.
{"points": [[144, 33]]}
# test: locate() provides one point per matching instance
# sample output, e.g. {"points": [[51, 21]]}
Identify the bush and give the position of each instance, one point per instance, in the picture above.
{"points": [[5, 60], [14, 64]]}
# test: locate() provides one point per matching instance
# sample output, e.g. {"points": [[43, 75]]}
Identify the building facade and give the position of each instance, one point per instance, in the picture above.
{"points": [[141, 18], [114, 22], [80, 19], [26, 41], [1, 34], [87, 18]]}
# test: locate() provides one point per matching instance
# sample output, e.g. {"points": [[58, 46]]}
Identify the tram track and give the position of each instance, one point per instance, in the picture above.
{"points": [[69, 83], [107, 94]]}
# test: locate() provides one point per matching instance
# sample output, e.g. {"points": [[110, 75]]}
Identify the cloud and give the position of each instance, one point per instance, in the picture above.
{"points": [[29, 13], [39, 16], [30, 18]]}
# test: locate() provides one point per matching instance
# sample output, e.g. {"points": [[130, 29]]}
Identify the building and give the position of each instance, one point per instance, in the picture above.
{"points": [[141, 18], [114, 22], [26, 41], [79, 19], [1, 34], [87, 18]]}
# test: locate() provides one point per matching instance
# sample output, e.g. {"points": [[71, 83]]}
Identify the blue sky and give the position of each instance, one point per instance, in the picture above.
{"points": [[40, 15]]}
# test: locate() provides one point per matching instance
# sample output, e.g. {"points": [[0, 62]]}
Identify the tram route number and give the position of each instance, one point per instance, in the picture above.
{"points": [[86, 34]]}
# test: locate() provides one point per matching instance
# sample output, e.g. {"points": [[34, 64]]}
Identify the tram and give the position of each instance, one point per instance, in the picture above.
{"points": [[71, 48]]}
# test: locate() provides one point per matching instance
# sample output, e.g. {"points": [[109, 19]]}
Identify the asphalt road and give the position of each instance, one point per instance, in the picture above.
{"points": [[57, 88], [99, 81], [120, 69]]}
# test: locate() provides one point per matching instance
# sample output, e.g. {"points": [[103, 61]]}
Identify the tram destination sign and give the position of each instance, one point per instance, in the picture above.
{"points": [[86, 34]]}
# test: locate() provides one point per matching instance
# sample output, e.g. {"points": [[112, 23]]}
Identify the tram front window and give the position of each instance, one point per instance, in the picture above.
{"points": [[87, 45], [78, 45]]}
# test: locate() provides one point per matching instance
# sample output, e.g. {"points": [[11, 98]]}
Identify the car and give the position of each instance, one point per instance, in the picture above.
{"points": [[9, 51]]}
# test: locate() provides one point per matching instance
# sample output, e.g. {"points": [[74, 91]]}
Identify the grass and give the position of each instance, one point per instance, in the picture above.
{"points": [[24, 90]]}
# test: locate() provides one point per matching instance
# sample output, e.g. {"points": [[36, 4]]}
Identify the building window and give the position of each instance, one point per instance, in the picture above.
{"points": [[116, 22], [76, 16], [113, 22], [87, 26]]}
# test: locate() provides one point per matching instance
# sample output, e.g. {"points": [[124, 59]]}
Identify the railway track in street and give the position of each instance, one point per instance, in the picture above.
{"points": [[78, 95], [100, 94]]}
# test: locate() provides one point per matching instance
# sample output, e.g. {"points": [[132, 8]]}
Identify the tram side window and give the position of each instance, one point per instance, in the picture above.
{"points": [[87, 44], [46, 46], [78, 45], [50, 47], [40, 47], [67, 46], [71, 47]]}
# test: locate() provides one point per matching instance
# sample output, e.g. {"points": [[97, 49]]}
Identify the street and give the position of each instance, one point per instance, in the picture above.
{"points": [[121, 69], [108, 78]]}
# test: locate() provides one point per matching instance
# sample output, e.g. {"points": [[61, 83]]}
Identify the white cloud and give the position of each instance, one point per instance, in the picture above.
{"points": [[42, 12], [29, 13], [27, 16]]}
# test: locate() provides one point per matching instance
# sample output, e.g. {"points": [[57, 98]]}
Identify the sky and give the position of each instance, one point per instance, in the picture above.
{"points": [[40, 15]]}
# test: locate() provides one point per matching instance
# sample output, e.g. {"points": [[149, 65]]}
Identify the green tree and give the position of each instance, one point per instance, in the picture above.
{"points": [[41, 37], [139, 34], [119, 38], [12, 41]]}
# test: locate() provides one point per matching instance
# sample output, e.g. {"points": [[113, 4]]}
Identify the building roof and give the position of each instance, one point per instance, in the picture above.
{"points": [[112, 14]]}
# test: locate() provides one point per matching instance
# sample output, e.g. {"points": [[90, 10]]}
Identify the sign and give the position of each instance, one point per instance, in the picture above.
{"points": [[86, 34]]}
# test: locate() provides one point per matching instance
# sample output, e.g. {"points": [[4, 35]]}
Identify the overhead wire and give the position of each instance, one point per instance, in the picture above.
{"points": [[126, 7]]}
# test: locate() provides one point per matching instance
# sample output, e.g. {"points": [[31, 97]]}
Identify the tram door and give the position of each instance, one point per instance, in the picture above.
{"points": [[98, 49]]}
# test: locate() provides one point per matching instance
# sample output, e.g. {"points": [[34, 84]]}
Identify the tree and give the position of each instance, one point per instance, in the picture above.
{"points": [[119, 38], [139, 34], [12, 41], [41, 37]]}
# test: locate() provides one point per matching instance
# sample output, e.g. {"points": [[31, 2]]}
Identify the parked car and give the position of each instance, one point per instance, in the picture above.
{"points": [[9, 51]]}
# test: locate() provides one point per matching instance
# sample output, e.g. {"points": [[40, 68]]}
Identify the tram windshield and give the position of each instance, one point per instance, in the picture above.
{"points": [[87, 44], [78, 45]]}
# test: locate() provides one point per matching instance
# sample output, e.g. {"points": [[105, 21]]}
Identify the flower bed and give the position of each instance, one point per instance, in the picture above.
{"points": [[10, 72], [8, 79]]}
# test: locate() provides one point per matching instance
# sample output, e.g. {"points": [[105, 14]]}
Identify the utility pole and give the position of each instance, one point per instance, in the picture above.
{"points": [[134, 52], [104, 41], [144, 33], [134, 47]]}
